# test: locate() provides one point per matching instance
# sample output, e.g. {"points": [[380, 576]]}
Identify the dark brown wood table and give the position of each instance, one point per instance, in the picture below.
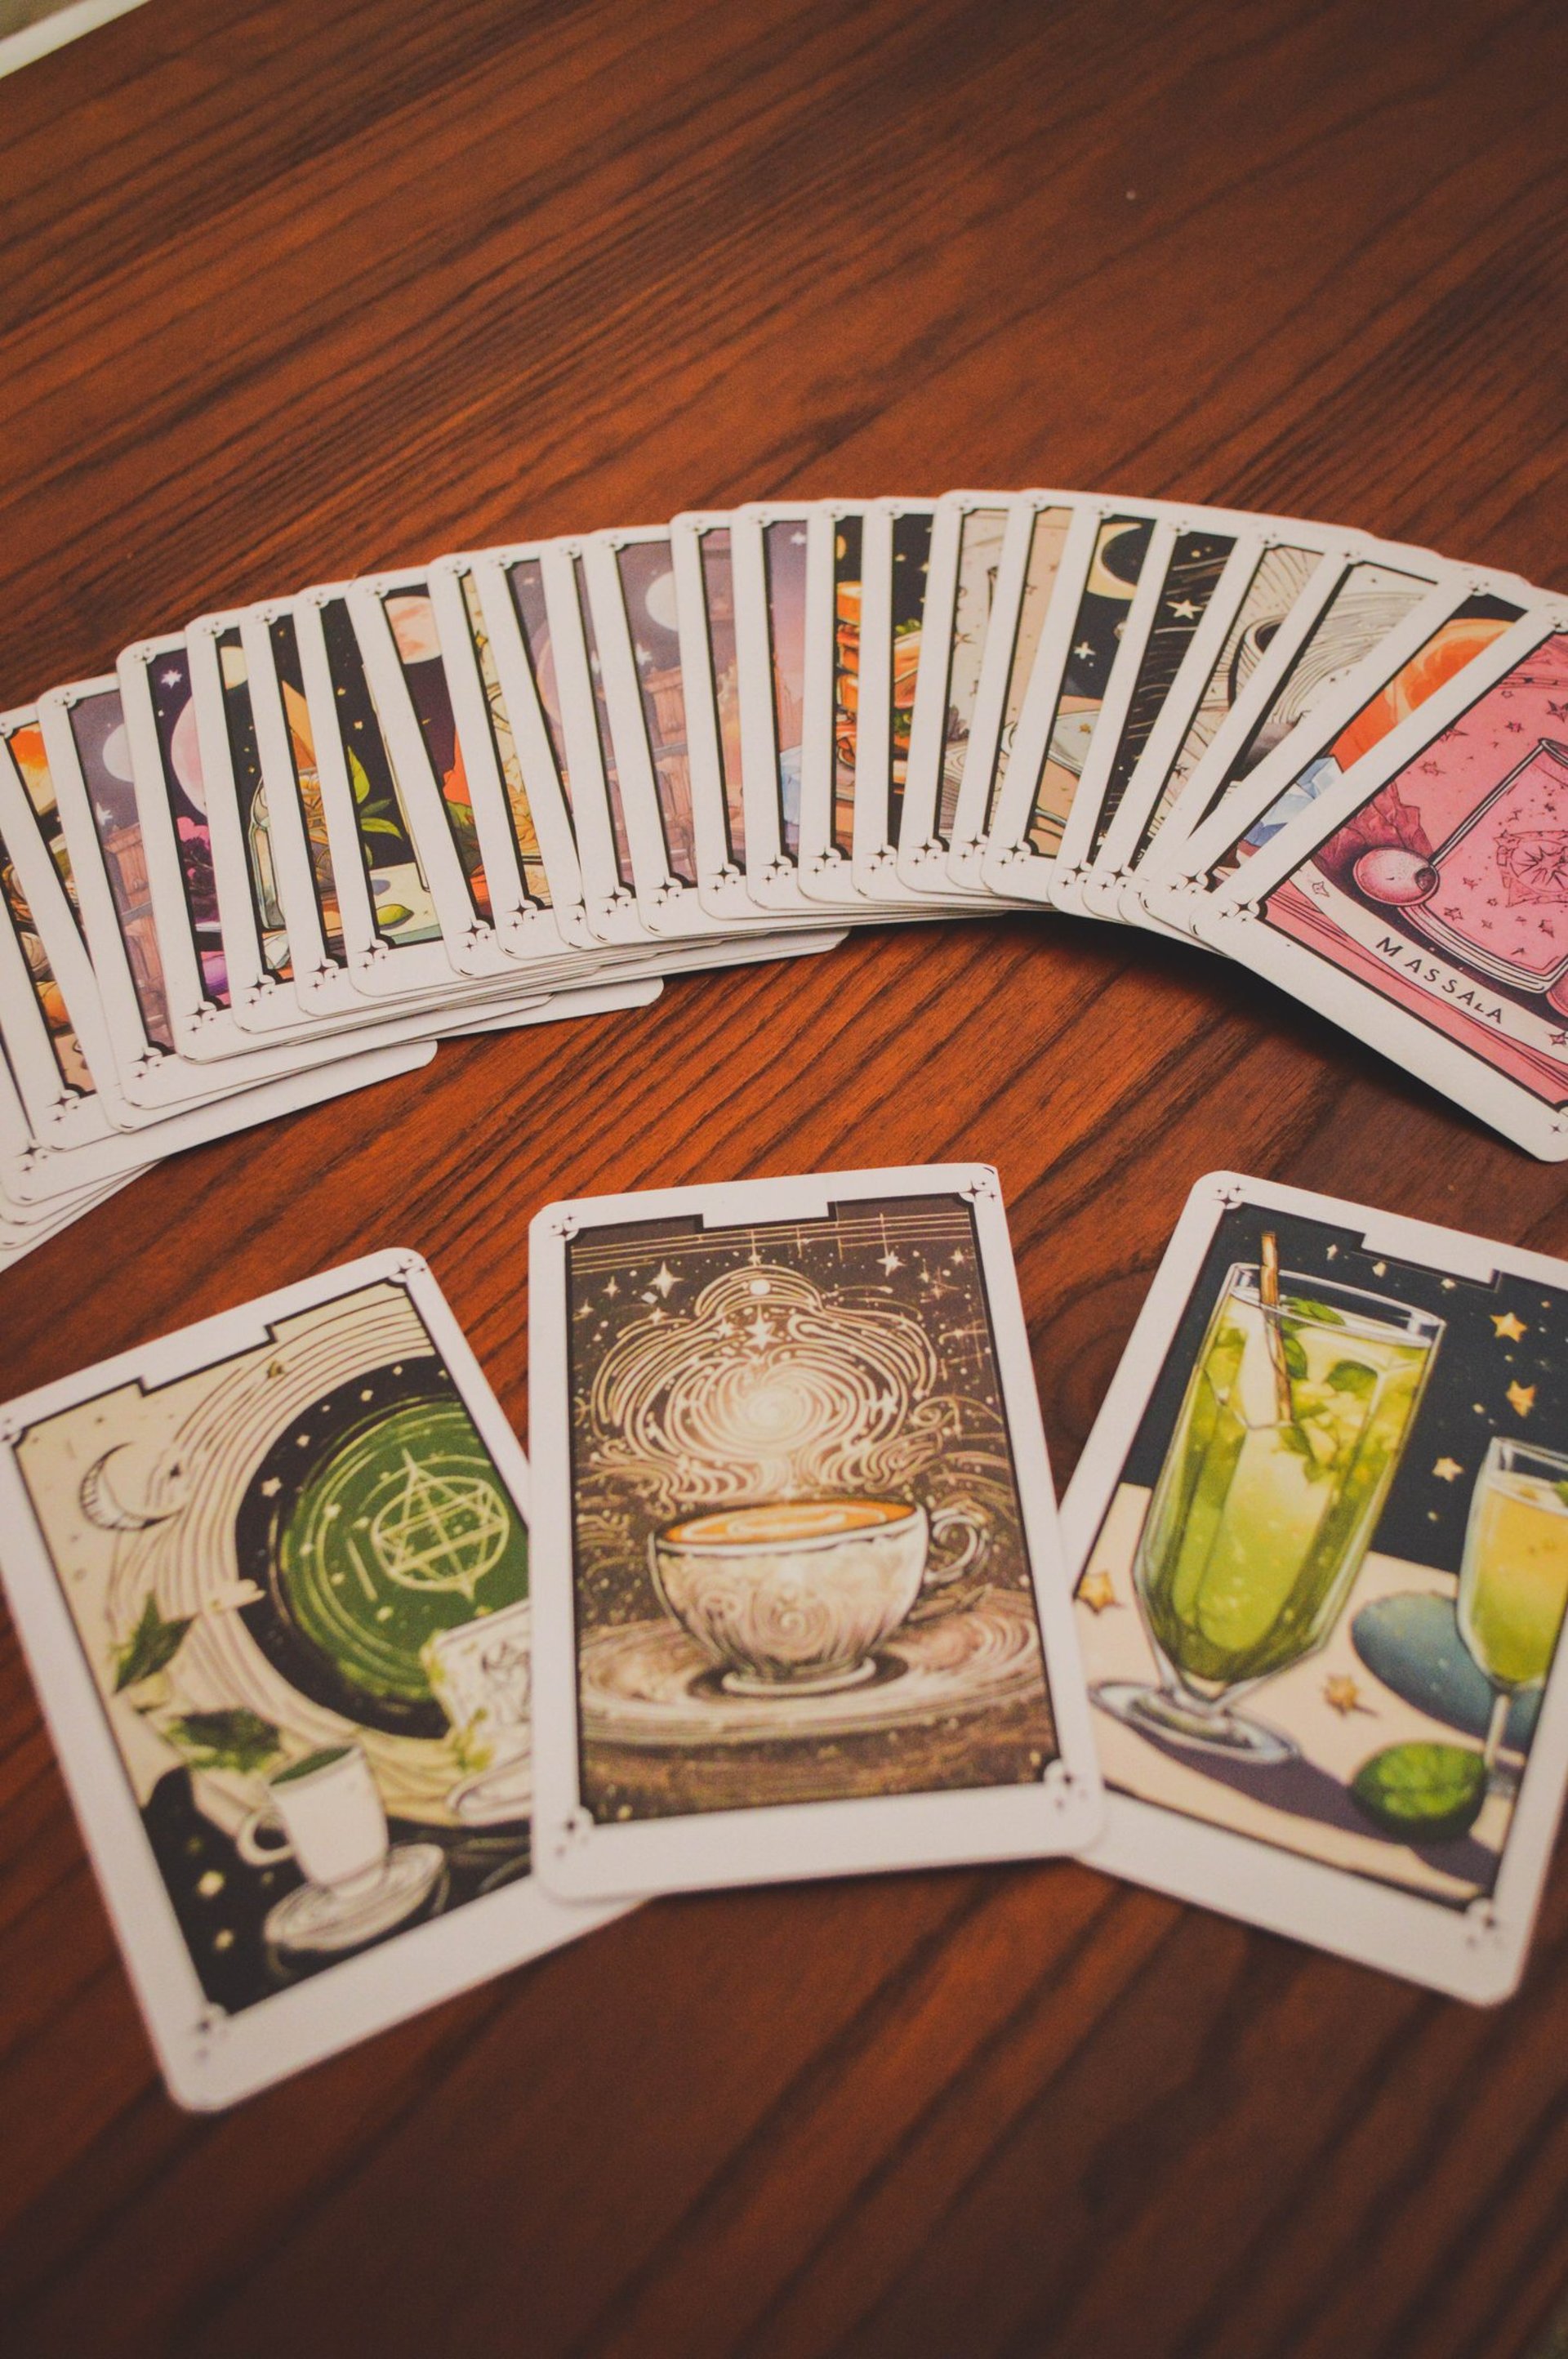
{"points": [[295, 288]]}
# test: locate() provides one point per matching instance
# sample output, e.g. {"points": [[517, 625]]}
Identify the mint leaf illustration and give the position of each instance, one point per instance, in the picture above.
{"points": [[238, 1739], [151, 1646]]}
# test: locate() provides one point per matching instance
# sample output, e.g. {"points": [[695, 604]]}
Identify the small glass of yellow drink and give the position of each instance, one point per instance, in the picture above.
{"points": [[1513, 1581]]}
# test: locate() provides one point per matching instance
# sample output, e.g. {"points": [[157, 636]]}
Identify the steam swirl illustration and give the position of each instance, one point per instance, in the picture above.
{"points": [[765, 1390]]}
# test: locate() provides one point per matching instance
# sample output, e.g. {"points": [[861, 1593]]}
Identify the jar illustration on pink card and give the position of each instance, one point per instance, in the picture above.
{"points": [[1495, 892]]}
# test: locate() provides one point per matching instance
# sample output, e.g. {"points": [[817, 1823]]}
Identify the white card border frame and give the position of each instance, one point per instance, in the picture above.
{"points": [[580, 1859]]}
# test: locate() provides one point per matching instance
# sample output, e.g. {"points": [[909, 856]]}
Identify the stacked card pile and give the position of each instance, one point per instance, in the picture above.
{"points": [[797, 1600], [276, 856]]}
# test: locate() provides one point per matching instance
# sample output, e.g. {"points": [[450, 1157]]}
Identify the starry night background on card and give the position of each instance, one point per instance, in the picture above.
{"points": [[245, 763], [910, 565], [1197, 563], [670, 1310], [168, 679], [1119, 551], [1500, 1367], [378, 815]]}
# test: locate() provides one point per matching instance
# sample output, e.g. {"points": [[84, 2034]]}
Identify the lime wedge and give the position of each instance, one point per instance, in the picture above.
{"points": [[1422, 1793]]}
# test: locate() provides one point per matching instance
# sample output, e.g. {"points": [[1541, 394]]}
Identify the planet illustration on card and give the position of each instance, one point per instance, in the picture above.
{"points": [[375, 1522]]}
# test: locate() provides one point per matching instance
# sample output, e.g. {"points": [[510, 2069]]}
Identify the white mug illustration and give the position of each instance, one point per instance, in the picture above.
{"points": [[479, 1674], [798, 1595], [331, 1822]]}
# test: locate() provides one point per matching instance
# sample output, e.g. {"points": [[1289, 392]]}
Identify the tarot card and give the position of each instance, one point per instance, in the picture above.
{"points": [[703, 563], [1269, 570], [521, 815], [831, 707], [1322, 1553], [172, 804], [87, 750], [399, 638], [896, 540], [1027, 578], [769, 543], [969, 537], [1463, 616], [1116, 551], [637, 623], [391, 928], [256, 953], [1355, 598], [1422, 900], [1174, 597], [271, 1574], [536, 603], [799, 1609]]}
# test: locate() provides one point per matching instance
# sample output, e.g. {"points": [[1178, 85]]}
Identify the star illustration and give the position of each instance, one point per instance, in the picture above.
{"points": [[666, 1280], [1084, 650], [1097, 1591], [1185, 608], [889, 1261], [1342, 1695], [1505, 1323], [1520, 1398], [1448, 1470], [612, 1289], [759, 1330]]}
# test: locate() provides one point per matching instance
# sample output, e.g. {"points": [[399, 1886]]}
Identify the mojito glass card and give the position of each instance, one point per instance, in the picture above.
{"points": [[1326, 1584]]}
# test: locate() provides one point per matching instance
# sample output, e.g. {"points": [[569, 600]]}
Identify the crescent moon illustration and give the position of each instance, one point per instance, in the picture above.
{"points": [[1102, 581], [101, 1507]]}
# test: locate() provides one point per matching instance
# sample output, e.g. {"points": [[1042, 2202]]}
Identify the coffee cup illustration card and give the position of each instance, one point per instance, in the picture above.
{"points": [[799, 1602], [1320, 1536], [271, 1576]]}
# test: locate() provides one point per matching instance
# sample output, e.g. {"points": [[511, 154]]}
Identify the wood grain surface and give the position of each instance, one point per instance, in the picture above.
{"points": [[293, 288]]}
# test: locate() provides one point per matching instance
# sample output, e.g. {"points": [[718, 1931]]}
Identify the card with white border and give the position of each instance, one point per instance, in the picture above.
{"points": [[1421, 901], [799, 1608], [1320, 1547], [1102, 604], [702, 558], [520, 810], [1179, 584], [1264, 575], [271, 1577], [1027, 579], [1464, 614], [1359, 593]]}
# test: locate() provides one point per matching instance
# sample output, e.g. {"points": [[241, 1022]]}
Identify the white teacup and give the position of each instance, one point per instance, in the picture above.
{"points": [[798, 1595], [330, 1813]]}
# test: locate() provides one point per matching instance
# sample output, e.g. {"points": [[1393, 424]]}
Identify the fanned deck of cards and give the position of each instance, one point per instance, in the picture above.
{"points": [[345, 1735], [276, 856]]}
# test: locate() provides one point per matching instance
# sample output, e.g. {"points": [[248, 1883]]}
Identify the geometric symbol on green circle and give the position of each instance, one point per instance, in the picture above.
{"points": [[404, 1530]]}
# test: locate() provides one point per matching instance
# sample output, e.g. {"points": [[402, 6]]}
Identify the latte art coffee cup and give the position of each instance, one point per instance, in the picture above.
{"points": [[799, 1593]]}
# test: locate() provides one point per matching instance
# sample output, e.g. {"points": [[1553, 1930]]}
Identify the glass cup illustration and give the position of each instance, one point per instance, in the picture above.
{"points": [[1293, 1426], [330, 1819], [1513, 1578], [797, 1594]]}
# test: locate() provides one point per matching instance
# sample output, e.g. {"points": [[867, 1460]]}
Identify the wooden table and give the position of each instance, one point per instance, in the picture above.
{"points": [[298, 289]]}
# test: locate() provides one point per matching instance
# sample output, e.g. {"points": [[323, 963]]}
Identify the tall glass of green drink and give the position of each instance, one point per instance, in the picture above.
{"points": [[1294, 1422]]}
